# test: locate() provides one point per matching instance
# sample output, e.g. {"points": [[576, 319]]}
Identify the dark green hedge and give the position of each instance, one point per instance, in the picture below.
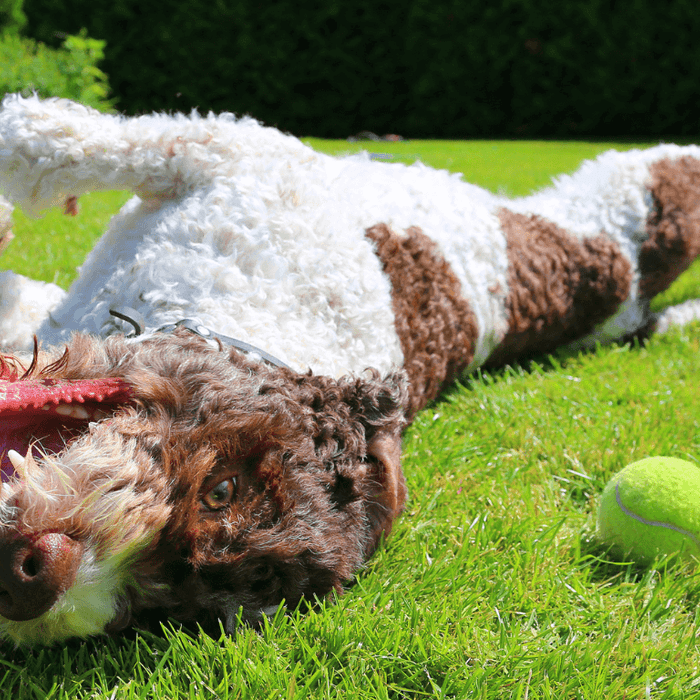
{"points": [[430, 68]]}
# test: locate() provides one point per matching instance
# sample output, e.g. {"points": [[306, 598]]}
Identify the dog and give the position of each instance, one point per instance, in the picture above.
{"points": [[208, 423]]}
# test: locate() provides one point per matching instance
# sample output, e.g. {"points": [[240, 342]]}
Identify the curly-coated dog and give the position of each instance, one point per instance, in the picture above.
{"points": [[229, 437]]}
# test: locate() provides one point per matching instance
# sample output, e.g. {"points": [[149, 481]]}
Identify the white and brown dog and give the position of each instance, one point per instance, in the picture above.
{"points": [[178, 472]]}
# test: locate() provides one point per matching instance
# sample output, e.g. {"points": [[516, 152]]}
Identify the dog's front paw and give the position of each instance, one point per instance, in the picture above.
{"points": [[24, 305], [6, 234]]}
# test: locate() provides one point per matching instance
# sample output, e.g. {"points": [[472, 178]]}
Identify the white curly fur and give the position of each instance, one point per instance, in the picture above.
{"points": [[263, 239]]}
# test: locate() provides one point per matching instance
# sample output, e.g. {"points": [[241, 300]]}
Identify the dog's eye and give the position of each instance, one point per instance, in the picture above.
{"points": [[221, 495]]}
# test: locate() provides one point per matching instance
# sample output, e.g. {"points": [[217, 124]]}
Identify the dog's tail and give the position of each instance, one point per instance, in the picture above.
{"points": [[52, 151]]}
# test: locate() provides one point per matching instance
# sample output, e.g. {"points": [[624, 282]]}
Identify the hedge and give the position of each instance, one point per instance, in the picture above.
{"points": [[12, 18], [68, 71], [421, 68]]}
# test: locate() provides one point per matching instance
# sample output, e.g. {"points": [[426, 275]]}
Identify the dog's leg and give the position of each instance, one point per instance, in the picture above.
{"points": [[53, 151], [24, 303], [6, 235]]}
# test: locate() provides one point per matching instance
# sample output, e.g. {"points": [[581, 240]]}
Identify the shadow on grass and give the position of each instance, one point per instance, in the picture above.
{"points": [[492, 374], [608, 564]]}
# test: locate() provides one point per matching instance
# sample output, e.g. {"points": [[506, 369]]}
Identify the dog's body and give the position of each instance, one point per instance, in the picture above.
{"points": [[179, 476]]}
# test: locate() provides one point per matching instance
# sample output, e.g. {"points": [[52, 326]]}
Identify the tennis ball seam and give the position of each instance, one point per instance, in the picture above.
{"points": [[652, 523]]}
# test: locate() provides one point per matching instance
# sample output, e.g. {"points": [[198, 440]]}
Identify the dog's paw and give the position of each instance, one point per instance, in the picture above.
{"points": [[6, 234], [24, 305]]}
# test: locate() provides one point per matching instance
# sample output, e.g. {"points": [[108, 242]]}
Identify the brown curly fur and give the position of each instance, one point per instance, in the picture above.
{"points": [[316, 464], [673, 226], [559, 287], [434, 322]]}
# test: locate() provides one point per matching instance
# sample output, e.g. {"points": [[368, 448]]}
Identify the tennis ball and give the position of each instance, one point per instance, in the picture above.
{"points": [[651, 509]]}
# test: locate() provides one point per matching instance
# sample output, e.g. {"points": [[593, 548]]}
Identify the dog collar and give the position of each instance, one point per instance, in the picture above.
{"points": [[136, 320]]}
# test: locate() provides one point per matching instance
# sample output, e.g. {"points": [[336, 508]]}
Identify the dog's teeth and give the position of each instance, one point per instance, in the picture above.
{"points": [[16, 459], [72, 411]]}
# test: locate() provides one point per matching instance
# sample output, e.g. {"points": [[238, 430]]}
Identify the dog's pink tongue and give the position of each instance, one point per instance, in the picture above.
{"points": [[43, 414]]}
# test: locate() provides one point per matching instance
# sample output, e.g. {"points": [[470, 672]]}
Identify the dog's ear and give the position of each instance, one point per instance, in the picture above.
{"points": [[351, 425], [380, 408], [387, 502]]}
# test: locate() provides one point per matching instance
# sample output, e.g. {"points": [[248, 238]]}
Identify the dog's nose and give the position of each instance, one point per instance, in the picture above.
{"points": [[34, 572]]}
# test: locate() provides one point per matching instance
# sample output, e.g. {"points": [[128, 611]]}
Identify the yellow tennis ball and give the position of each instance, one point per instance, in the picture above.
{"points": [[651, 509]]}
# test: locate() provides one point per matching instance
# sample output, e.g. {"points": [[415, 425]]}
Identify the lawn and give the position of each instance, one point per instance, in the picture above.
{"points": [[492, 584]]}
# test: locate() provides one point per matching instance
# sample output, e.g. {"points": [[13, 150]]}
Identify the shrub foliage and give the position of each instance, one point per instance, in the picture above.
{"points": [[12, 18], [430, 68], [69, 71]]}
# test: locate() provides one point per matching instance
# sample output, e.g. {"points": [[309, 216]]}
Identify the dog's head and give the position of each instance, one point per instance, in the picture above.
{"points": [[191, 483]]}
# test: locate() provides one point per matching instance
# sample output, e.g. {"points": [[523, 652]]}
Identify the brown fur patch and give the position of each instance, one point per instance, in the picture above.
{"points": [[673, 226], [434, 322], [560, 287], [312, 465]]}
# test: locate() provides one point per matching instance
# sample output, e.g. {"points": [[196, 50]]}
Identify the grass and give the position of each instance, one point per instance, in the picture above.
{"points": [[492, 584], [51, 248]]}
